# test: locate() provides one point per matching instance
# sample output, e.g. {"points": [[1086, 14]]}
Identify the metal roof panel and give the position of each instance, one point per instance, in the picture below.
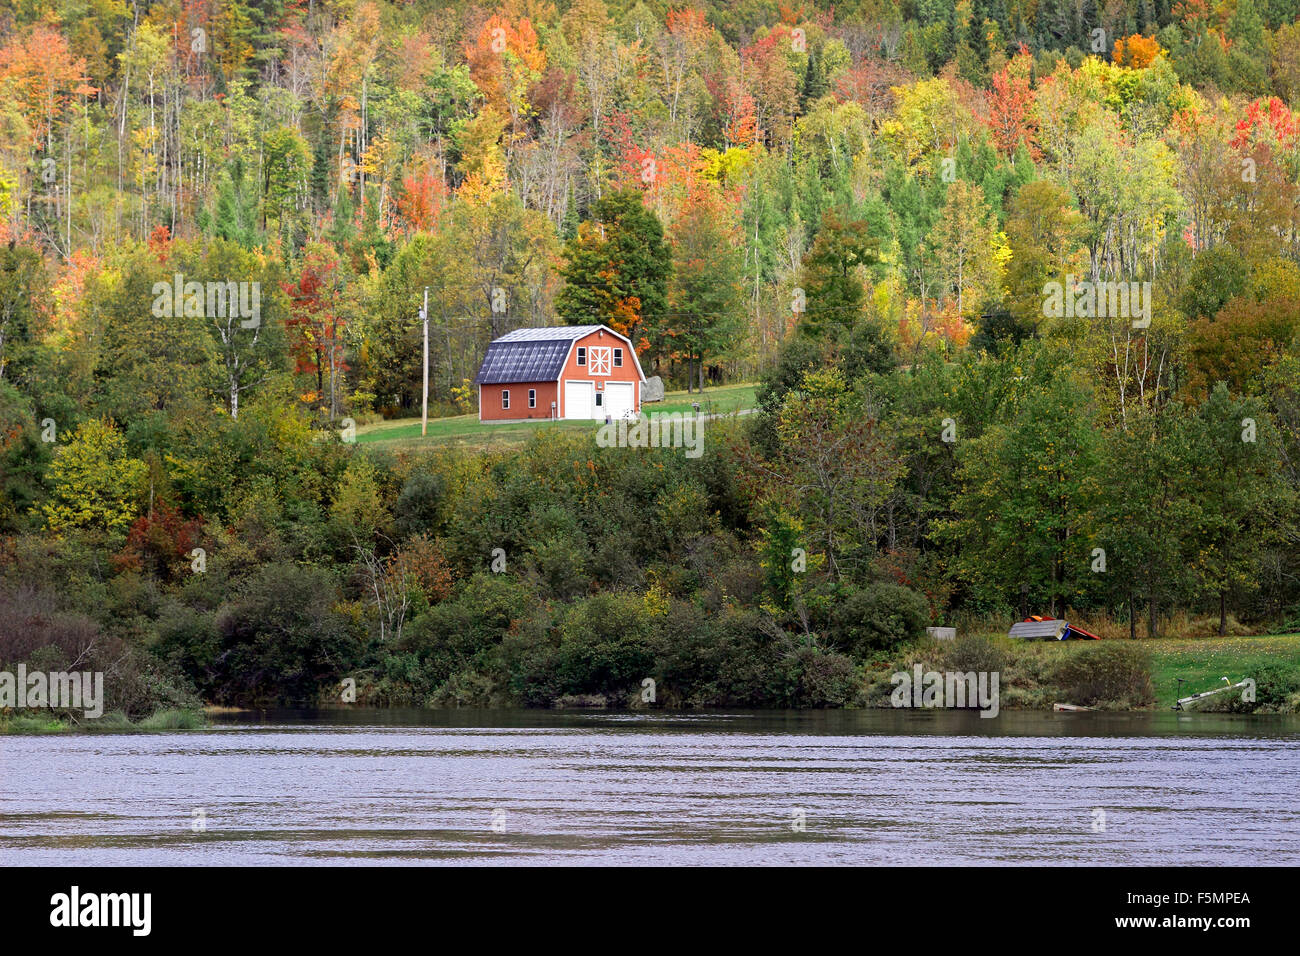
{"points": [[550, 333], [523, 361]]}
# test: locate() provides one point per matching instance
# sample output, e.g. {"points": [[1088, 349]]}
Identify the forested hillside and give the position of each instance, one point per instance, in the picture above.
{"points": [[1020, 282]]}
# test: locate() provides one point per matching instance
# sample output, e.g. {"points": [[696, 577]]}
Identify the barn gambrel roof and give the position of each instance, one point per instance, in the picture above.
{"points": [[525, 361], [536, 355]]}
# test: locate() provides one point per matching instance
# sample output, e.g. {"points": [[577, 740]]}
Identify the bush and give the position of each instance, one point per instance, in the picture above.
{"points": [[463, 633], [1277, 690], [826, 679], [877, 617], [971, 653], [1276, 687], [419, 507], [281, 642], [598, 646], [1106, 673]]}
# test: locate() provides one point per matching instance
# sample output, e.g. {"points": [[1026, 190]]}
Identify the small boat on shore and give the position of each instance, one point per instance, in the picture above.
{"points": [[1038, 628]]}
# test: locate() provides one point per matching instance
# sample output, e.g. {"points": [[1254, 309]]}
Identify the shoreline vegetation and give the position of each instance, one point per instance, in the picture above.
{"points": [[1112, 676], [35, 723]]}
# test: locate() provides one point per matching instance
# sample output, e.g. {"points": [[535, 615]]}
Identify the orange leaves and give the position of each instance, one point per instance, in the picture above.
{"points": [[1243, 339], [742, 123], [688, 21], [420, 560], [626, 315], [1137, 52], [424, 195], [38, 73], [791, 15], [768, 70], [952, 327], [417, 59], [504, 60], [67, 292], [160, 241]]}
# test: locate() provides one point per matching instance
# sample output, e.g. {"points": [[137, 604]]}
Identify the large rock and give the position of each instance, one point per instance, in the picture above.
{"points": [[652, 389], [942, 633]]}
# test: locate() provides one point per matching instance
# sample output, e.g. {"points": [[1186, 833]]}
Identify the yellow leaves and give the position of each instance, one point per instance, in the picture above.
{"points": [[729, 165], [1001, 251], [482, 156], [95, 484], [928, 117]]}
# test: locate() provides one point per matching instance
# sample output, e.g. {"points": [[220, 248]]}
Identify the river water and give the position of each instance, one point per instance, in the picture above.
{"points": [[858, 787]]}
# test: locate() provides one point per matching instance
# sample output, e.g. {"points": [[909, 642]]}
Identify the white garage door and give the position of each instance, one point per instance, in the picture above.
{"points": [[618, 400], [580, 400]]}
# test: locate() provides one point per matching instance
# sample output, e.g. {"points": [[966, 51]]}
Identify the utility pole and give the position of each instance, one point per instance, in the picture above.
{"points": [[424, 317]]}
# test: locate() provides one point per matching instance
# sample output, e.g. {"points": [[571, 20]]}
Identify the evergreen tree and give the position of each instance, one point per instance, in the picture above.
{"points": [[616, 269]]}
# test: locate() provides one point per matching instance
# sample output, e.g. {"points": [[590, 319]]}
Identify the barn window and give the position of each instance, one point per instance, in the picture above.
{"points": [[505, 398], [599, 399], [532, 398], [618, 358], [582, 355]]}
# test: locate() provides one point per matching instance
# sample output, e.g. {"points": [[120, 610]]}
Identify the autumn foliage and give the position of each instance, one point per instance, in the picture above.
{"points": [[1136, 51]]}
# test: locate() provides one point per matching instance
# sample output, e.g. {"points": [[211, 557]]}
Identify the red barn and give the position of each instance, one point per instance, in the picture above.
{"points": [[567, 371]]}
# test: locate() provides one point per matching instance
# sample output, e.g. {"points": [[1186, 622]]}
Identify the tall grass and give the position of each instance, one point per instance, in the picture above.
{"points": [[114, 722], [1115, 627]]}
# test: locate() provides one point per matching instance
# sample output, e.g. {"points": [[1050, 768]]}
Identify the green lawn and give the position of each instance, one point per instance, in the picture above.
{"points": [[1205, 660], [467, 430]]}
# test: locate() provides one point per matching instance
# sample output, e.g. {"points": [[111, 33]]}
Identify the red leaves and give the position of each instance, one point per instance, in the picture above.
{"points": [[1272, 118], [316, 328], [1010, 109], [424, 195], [159, 542], [160, 241]]}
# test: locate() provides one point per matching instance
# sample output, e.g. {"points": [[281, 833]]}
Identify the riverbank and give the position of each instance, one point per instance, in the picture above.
{"points": [[28, 724], [1114, 675]]}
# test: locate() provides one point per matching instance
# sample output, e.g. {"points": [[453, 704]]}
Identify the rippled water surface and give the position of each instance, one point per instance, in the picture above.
{"points": [[602, 787]]}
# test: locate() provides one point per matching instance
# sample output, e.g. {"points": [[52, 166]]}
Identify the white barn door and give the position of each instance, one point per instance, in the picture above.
{"points": [[580, 400], [618, 400]]}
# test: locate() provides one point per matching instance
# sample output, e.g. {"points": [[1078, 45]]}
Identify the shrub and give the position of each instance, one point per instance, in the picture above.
{"points": [[281, 642], [1117, 673], [1277, 690], [877, 617], [604, 646], [1276, 686], [972, 653], [826, 678], [419, 507]]}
